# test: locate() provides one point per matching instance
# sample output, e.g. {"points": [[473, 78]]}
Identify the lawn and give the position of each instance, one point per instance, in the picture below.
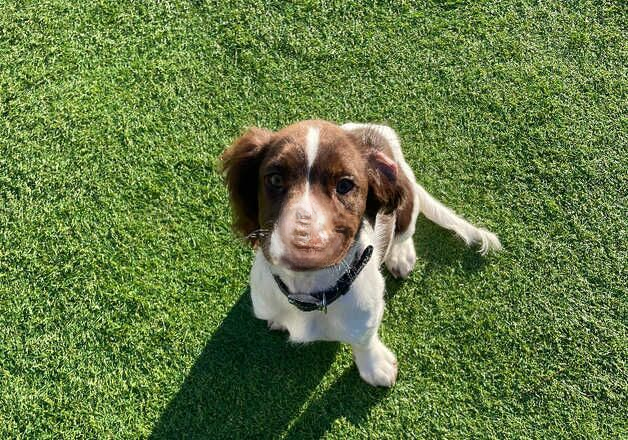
{"points": [[124, 305]]}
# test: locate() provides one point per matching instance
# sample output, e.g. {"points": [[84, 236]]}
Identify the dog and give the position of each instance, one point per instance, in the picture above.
{"points": [[324, 205]]}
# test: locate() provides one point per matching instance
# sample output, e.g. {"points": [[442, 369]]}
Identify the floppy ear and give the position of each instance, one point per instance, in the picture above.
{"points": [[240, 164], [385, 191]]}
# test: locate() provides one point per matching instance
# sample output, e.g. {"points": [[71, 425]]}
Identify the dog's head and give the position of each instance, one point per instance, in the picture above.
{"points": [[301, 192]]}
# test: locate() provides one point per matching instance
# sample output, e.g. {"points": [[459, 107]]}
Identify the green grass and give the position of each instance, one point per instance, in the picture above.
{"points": [[124, 308]]}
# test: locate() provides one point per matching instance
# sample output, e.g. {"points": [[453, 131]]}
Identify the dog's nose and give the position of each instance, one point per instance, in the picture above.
{"points": [[303, 215]]}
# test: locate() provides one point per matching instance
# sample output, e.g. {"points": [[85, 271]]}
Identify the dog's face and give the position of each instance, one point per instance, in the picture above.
{"points": [[301, 193]]}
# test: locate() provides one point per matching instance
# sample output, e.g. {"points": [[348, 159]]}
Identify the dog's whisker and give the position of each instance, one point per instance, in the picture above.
{"points": [[257, 233]]}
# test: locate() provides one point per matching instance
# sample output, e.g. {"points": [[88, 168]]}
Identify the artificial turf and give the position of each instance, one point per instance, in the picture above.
{"points": [[124, 308]]}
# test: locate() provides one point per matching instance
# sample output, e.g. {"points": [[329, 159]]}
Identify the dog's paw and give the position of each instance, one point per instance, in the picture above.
{"points": [[377, 365], [401, 259], [272, 325]]}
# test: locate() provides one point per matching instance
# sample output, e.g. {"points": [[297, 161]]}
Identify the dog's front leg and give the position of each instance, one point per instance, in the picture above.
{"points": [[401, 258], [376, 363]]}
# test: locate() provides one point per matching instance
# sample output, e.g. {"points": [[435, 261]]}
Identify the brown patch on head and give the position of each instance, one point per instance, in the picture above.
{"points": [[315, 219]]}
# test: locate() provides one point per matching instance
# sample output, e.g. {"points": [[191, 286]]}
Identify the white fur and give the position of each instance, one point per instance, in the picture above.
{"points": [[312, 140], [355, 317], [276, 248], [401, 258]]}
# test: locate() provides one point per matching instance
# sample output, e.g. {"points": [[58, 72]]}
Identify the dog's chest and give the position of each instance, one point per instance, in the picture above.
{"points": [[348, 319]]}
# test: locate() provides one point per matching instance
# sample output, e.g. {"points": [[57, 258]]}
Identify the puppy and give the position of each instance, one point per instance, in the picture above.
{"points": [[324, 205]]}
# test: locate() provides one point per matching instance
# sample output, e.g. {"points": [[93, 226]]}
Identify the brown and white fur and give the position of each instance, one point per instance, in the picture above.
{"points": [[306, 197]]}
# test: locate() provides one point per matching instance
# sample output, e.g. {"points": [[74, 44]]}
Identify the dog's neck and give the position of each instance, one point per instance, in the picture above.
{"points": [[316, 280]]}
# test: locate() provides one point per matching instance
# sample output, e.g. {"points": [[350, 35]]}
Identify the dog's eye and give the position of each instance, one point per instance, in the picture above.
{"points": [[344, 185], [275, 180]]}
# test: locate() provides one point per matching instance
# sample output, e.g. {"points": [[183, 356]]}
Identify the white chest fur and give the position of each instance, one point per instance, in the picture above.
{"points": [[352, 318]]}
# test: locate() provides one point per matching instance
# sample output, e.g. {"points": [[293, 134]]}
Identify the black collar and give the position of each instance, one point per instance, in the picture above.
{"points": [[308, 302]]}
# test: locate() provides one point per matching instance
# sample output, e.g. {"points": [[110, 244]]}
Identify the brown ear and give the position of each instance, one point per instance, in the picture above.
{"points": [[385, 191], [240, 164]]}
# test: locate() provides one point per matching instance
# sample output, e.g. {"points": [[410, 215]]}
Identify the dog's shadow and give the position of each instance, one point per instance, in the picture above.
{"points": [[438, 248], [250, 383]]}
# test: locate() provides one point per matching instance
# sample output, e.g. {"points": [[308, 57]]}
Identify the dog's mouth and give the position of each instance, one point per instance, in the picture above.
{"points": [[307, 258], [306, 248], [300, 254], [305, 243]]}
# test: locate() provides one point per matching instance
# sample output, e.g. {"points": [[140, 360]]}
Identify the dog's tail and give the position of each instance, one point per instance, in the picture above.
{"points": [[445, 217]]}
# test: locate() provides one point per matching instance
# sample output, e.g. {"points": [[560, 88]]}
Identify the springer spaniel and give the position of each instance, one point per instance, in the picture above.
{"points": [[324, 206]]}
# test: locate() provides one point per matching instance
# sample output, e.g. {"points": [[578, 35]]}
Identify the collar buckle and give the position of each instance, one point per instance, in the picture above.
{"points": [[323, 306]]}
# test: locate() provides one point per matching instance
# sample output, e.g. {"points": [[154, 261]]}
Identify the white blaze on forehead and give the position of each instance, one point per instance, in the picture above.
{"points": [[303, 213], [312, 141], [311, 145]]}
